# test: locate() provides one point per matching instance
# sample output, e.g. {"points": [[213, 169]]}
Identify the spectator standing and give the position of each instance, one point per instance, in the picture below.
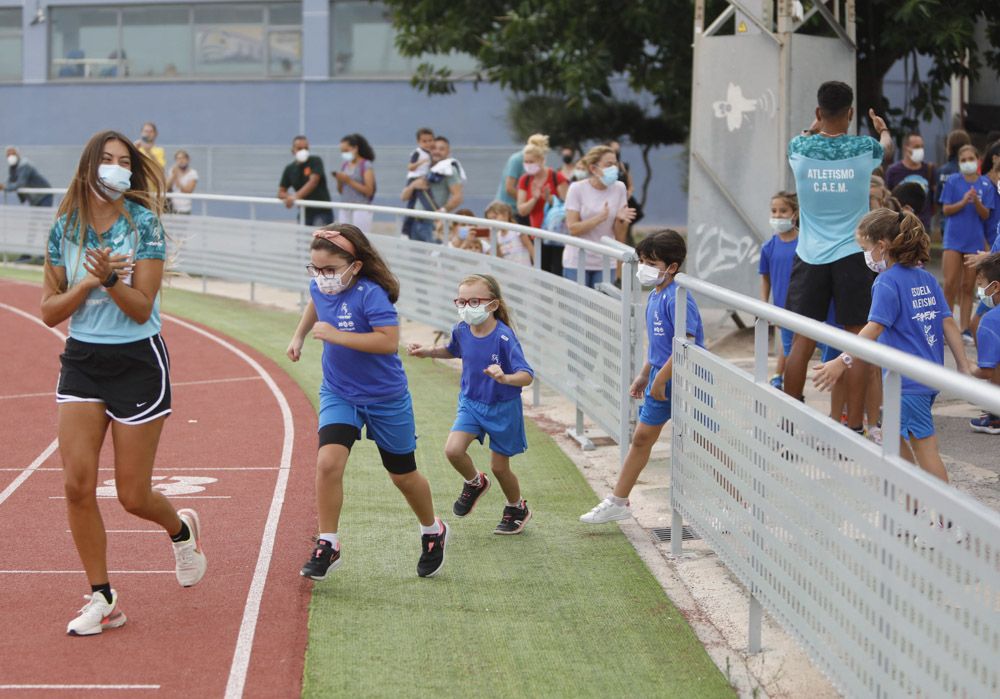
{"points": [[539, 184], [832, 179], [595, 207], [568, 158], [306, 177], [182, 180], [419, 165], [146, 143], [913, 168], [356, 180], [512, 172], [956, 139], [511, 245], [445, 192], [988, 334], [775, 268], [22, 173], [991, 170]]}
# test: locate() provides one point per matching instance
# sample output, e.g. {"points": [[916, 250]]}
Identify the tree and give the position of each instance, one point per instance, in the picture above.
{"points": [[890, 30], [579, 68]]}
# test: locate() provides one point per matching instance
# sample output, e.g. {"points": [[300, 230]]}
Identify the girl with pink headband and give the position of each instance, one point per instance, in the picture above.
{"points": [[351, 312]]}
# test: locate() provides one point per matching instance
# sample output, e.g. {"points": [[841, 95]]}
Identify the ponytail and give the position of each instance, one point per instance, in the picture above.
{"points": [[907, 242]]}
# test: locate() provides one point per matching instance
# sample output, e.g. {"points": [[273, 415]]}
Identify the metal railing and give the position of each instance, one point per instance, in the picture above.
{"points": [[584, 343], [829, 533]]}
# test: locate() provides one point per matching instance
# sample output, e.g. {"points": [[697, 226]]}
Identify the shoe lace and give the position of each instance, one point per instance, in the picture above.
{"points": [[185, 555], [468, 493]]}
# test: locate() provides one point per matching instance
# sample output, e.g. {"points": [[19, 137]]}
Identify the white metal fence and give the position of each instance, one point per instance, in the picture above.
{"points": [[582, 342], [819, 524]]}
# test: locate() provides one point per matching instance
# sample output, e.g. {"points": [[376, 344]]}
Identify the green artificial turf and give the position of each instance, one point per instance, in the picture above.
{"points": [[562, 610]]}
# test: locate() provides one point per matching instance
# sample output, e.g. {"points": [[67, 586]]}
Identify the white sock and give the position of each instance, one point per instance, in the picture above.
{"points": [[516, 504], [477, 481], [621, 502], [332, 538], [432, 529]]}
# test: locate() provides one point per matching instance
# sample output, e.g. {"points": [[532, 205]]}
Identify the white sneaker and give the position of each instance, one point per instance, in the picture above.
{"points": [[191, 561], [875, 433], [97, 615], [606, 511]]}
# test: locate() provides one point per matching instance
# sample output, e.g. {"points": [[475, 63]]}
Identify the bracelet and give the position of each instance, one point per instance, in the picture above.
{"points": [[111, 280]]}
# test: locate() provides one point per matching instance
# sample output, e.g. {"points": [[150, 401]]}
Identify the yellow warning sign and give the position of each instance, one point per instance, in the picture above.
{"points": [[741, 28]]}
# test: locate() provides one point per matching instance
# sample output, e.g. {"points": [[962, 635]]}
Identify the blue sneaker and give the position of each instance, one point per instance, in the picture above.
{"points": [[987, 423], [777, 381]]}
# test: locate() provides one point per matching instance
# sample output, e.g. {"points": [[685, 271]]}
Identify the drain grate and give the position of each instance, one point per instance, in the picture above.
{"points": [[663, 534]]}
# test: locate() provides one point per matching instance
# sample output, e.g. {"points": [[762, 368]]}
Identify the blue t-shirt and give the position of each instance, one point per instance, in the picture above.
{"points": [[910, 304], [660, 314], [992, 228], [361, 378], [988, 339], [499, 347], [832, 178], [965, 231], [776, 258], [514, 168], [99, 319]]}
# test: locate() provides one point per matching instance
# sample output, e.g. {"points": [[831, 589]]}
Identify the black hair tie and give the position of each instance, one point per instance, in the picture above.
{"points": [[902, 217]]}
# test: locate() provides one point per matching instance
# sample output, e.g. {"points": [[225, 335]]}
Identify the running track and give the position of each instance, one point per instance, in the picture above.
{"points": [[239, 448]]}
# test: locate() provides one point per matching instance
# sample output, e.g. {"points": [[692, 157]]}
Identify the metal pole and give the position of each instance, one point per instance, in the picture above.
{"points": [[891, 384], [760, 351], [756, 617], [624, 431], [536, 387], [677, 420]]}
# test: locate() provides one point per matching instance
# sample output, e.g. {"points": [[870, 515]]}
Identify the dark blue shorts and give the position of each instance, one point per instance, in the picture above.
{"points": [[503, 422], [389, 423]]}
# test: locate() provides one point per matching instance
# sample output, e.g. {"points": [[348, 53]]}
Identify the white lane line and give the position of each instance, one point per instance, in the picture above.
{"points": [[171, 497], [26, 472], [173, 384], [33, 466], [78, 686], [128, 531], [251, 611]]}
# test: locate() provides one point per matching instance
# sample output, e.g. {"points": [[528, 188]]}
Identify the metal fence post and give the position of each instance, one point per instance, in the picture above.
{"points": [[756, 612], [677, 419], [536, 387], [579, 433], [625, 411]]}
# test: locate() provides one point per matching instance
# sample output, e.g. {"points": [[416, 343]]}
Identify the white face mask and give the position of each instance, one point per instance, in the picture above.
{"points": [[985, 297], [648, 275], [532, 168], [114, 179], [302, 155], [877, 266], [12, 160], [968, 167], [781, 225], [332, 285], [347, 156], [579, 174], [917, 155], [475, 316]]}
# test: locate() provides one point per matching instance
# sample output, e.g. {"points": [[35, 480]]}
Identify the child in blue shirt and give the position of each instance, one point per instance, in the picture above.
{"points": [[967, 201], [661, 255], [988, 334], [776, 258], [908, 313], [351, 312], [494, 371]]}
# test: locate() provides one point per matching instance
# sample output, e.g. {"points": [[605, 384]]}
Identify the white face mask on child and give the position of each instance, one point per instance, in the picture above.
{"points": [[877, 266], [985, 297], [474, 316], [648, 275], [781, 225], [332, 285]]}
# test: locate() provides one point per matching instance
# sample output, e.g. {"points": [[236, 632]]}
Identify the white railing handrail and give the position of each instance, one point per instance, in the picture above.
{"points": [[616, 252], [975, 391]]}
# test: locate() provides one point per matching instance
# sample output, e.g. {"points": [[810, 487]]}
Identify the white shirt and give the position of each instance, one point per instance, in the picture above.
{"points": [[182, 205]]}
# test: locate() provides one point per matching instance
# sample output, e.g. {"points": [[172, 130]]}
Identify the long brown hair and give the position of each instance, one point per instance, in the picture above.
{"points": [[502, 313], [372, 264], [147, 185], [909, 244]]}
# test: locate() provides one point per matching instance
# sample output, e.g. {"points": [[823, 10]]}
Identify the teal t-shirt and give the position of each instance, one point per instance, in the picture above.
{"points": [[832, 180], [99, 319], [514, 168]]}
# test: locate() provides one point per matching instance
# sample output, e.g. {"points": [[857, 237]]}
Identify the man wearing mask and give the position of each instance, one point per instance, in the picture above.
{"points": [[443, 185], [913, 168], [306, 177], [146, 143], [568, 160], [21, 173]]}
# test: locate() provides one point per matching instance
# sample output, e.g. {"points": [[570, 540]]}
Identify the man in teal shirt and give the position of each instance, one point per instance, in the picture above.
{"points": [[832, 177]]}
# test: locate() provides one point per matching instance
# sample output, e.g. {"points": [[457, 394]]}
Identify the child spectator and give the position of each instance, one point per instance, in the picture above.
{"points": [[968, 200], [462, 237], [776, 258], [910, 196], [419, 166], [988, 334], [511, 245], [908, 314], [182, 180]]}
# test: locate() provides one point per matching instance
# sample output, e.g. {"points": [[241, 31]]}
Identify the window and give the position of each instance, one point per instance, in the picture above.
{"points": [[362, 44], [201, 40], [10, 43]]}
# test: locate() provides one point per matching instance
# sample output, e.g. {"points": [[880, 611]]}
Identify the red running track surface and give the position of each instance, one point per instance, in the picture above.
{"points": [[244, 627]]}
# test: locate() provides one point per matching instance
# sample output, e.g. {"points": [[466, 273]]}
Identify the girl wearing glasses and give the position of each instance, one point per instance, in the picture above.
{"points": [[351, 312], [493, 373]]}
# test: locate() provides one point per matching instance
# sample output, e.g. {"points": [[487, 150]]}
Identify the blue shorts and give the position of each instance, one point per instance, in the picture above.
{"points": [[963, 241], [915, 418], [592, 277], [388, 423], [655, 412], [503, 422], [828, 352], [786, 340]]}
